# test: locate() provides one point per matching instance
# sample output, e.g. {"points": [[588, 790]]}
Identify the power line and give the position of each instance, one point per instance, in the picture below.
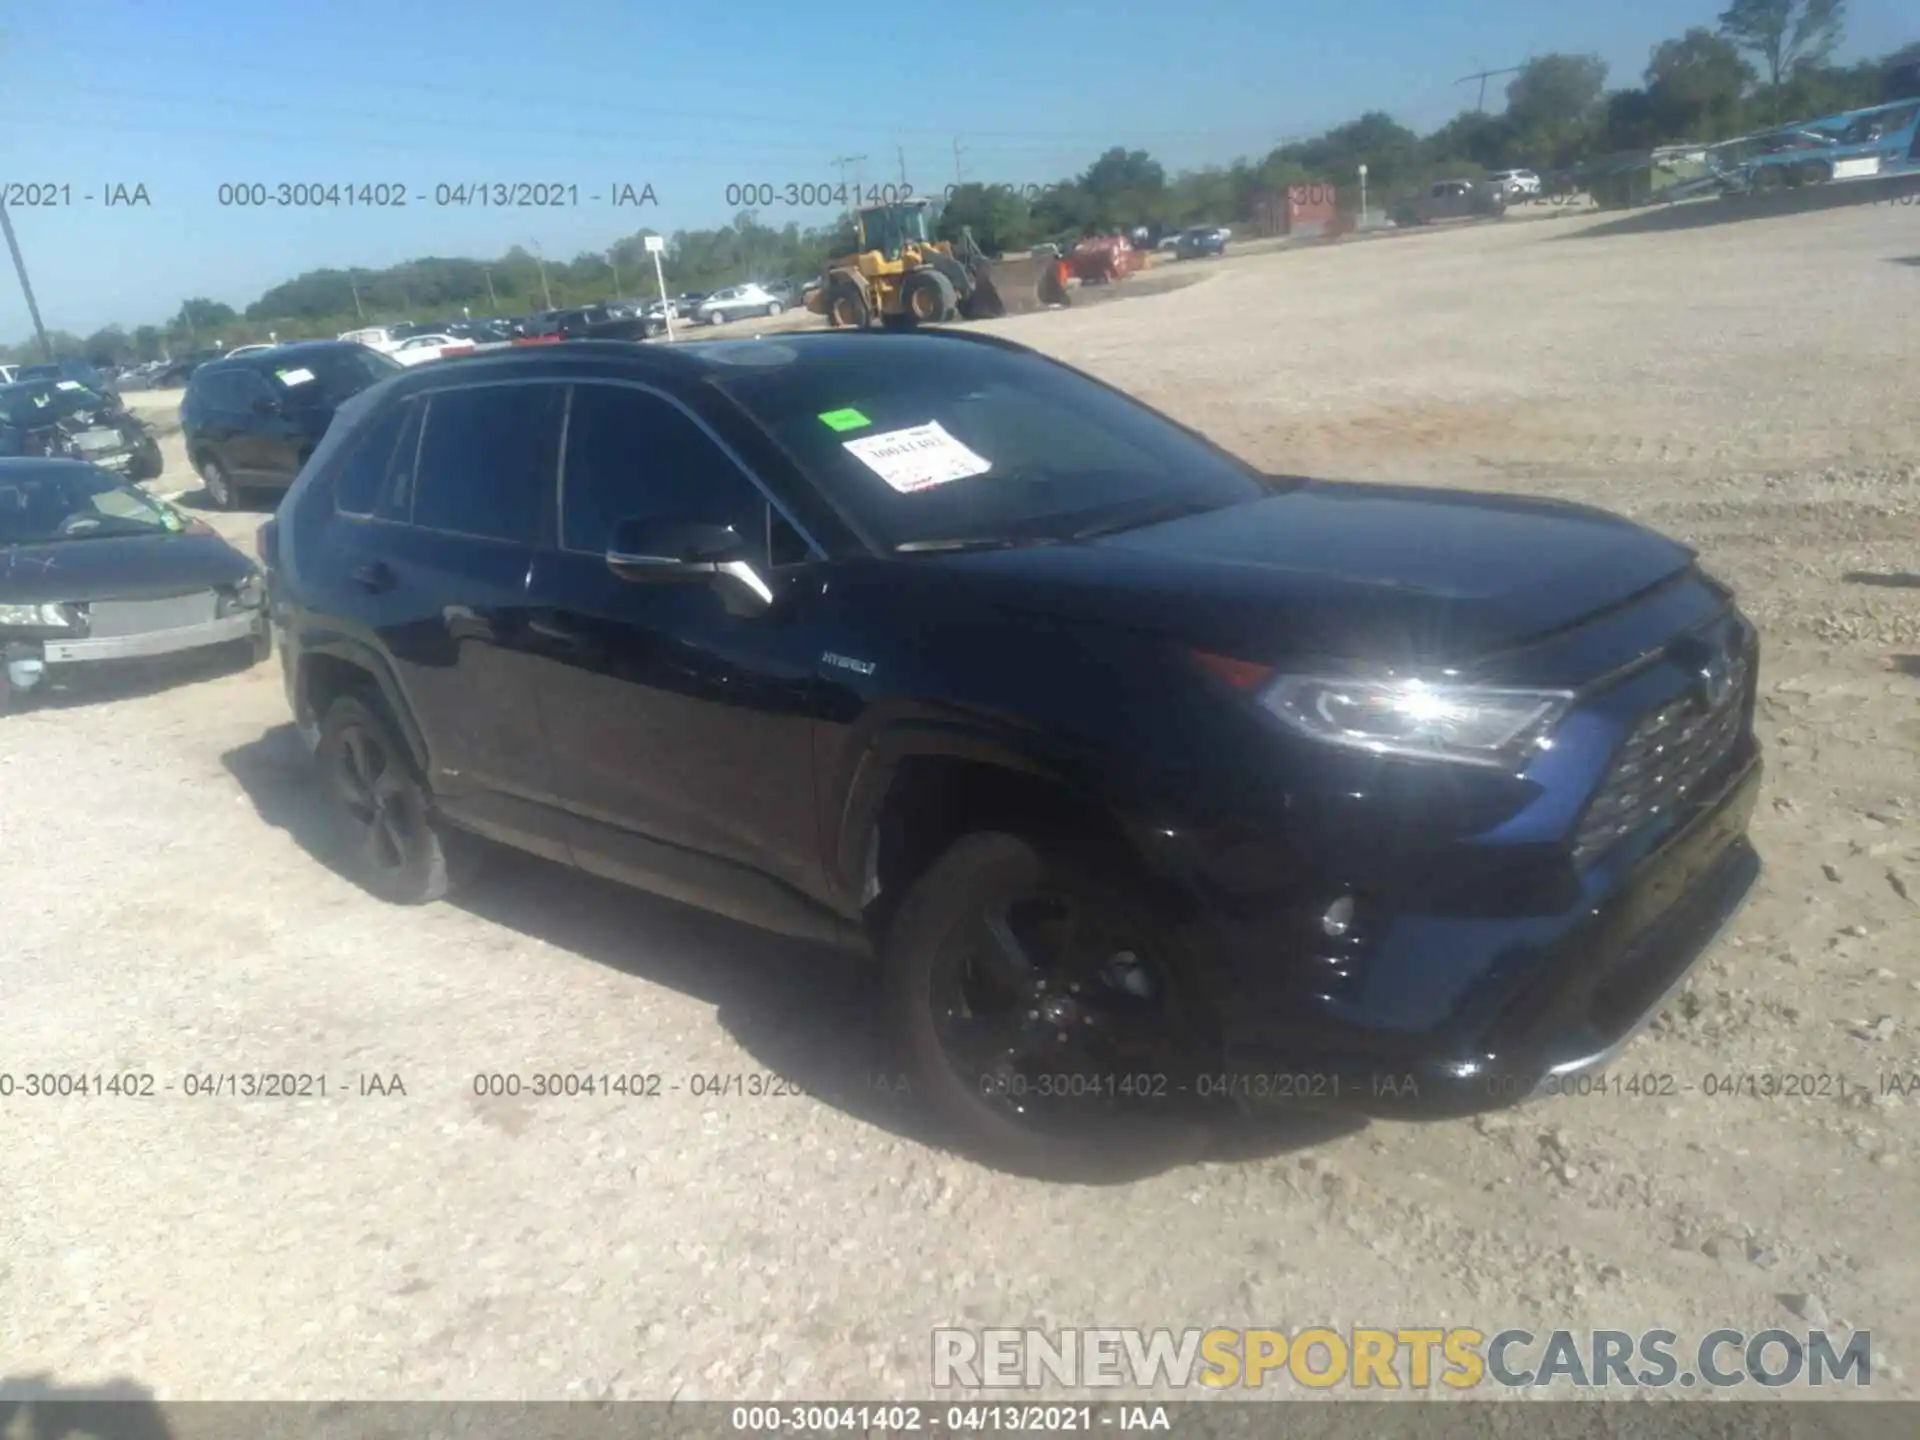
{"points": [[1482, 76]]}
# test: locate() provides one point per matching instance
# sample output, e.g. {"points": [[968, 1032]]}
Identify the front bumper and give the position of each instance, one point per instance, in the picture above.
{"points": [[1463, 1012], [241, 625]]}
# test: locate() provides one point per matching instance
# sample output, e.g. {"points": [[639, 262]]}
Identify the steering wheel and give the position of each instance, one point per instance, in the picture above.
{"points": [[74, 524]]}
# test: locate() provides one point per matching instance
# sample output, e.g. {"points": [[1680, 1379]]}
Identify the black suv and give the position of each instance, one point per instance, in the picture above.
{"points": [[1153, 781], [252, 421]]}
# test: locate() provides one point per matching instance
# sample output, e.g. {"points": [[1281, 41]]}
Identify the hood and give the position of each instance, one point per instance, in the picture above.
{"points": [[132, 567], [1384, 572]]}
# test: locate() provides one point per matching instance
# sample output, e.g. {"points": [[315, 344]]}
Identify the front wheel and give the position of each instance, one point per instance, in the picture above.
{"points": [[774, 309], [217, 481], [1046, 1013], [715, 317]]}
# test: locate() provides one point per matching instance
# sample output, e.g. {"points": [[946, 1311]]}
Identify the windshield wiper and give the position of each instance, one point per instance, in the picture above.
{"points": [[966, 542], [1147, 515]]}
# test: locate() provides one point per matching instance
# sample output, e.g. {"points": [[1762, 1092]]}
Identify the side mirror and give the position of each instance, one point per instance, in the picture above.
{"points": [[648, 551]]}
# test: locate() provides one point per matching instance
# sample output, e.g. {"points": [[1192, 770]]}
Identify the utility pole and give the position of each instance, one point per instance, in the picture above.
{"points": [[901, 150], [856, 161], [616, 273], [1482, 76], [545, 289], [959, 177], [358, 308], [26, 288], [492, 299]]}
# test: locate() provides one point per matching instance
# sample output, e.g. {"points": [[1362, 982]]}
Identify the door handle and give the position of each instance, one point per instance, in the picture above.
{"points": [[375, 576]]}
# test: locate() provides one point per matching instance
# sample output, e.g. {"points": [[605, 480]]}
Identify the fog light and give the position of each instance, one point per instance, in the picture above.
{"points": [[1338, 918]]}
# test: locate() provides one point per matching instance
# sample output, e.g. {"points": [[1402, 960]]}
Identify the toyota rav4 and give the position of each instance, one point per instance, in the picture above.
{"points": [[1149, 779]]}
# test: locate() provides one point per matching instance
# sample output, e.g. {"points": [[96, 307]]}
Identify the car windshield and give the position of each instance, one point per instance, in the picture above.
{"points": [[64, 501], [328, 377], [1039, 452], [29, 404]]}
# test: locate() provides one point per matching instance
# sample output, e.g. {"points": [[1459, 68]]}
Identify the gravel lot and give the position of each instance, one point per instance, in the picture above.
{"points": [[1750, 388]]}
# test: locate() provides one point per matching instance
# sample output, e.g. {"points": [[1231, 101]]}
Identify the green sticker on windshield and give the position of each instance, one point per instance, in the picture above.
{"points": [[843, 419]]}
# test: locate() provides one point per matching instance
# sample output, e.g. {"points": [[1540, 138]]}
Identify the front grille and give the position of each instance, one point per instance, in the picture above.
{"points": [[109, 619], [1664, 761]]}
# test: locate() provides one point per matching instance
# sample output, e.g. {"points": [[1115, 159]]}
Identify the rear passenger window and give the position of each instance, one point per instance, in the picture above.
{"points": [[362, 476], [487, 460]]}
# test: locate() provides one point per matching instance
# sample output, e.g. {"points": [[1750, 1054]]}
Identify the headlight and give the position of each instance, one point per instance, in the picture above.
{"points": [[55, 616], [1473, 724]]}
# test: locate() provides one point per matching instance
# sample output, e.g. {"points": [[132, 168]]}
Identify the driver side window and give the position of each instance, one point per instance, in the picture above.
{"points": [[632, 454]]}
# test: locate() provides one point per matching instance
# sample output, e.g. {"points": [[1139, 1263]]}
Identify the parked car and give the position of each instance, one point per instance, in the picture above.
{"points": [[253, 349], [64, 419], [94, 571], [1518, 184], [1452, 200], [76, 370], [1202, 240], [252, 423], [382, 338], [419, 349], [737, 302], [592, 322], [1139, 771], [179, 372]]}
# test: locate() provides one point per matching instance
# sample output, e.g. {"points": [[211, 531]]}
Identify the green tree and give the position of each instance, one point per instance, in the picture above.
{"points": [[1695, 86], [1785, 34], [1554, 106], [999, 216]]}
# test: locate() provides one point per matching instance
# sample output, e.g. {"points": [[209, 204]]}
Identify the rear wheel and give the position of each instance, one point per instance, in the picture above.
{"points": [[1045, 1012], [387, 835], [1814, 172], [774, 309]]}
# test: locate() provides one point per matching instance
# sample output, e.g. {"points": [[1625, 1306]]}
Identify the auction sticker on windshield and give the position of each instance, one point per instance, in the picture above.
{"points": [[294, 377], [917, 458], [66, 385]]}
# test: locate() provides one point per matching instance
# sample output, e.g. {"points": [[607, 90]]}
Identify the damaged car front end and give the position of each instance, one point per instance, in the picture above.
{"points": [[97, 577], [63, 419]]}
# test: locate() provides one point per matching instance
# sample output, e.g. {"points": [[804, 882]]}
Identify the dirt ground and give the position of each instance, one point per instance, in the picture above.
{"points": [[1747, 387]]}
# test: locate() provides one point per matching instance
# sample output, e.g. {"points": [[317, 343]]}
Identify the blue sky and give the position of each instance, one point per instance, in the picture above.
{"points": [[183, 96]]}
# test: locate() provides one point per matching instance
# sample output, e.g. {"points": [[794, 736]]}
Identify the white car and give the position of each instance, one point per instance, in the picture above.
{"points": [[736, 302], [1515, 182], [375, 337], [422, 348]]}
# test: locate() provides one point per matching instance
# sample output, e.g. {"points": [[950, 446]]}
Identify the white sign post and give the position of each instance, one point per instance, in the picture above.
{"points": [[655, 245], [1363, 197]]}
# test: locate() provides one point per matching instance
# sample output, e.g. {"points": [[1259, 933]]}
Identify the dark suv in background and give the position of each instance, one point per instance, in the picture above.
{"points": [[1153, 781], [251, 421]]}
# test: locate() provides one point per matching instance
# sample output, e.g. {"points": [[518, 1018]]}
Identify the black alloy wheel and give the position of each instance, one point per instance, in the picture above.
{"points": [[1046, 1012]]}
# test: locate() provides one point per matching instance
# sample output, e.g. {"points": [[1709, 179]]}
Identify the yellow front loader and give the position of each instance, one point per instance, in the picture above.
{"points": [[901, 276]]}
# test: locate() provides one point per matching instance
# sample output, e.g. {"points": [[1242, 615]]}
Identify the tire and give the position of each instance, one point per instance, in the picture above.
{"points": [[1813, 172], [716, 317], [387, 837], [847, 307], [774, 309], [147, 462], [218, 483], [927, 297], [976, 889]]}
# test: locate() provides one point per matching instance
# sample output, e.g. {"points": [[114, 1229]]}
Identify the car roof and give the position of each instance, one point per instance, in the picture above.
{"points": [[292, 350], [703, 359]]}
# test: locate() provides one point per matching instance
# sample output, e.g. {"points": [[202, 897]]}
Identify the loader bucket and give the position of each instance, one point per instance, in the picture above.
{"points": [[983, 300]]}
